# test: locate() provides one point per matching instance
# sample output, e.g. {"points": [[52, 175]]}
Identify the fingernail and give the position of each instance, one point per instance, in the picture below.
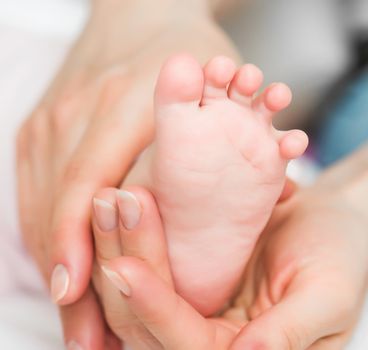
{"points": [[59, 283], [129, 208], [117, 280], [106, 215], [73, 345]]}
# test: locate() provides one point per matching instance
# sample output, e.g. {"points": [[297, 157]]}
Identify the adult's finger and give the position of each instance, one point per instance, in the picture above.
{"points": [[105, 223], [109, 147], [289, 188], [107, 246], [312, 311], [141, 235], [141, 230], [83, 324], [174, 323]]}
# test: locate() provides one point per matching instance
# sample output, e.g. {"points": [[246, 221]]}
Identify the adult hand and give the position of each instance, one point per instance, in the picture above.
{"points": [[87, 131], [131, 254], [307, 280], [303, 288]]}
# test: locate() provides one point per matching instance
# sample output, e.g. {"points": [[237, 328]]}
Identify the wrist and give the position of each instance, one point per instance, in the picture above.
{"points": [[128, 10], [119, 30]]}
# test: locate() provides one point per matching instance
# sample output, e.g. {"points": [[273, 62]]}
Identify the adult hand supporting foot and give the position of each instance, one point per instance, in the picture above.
{"points": [[307, 281], [153, 317], [86, 132], [303, 288]]}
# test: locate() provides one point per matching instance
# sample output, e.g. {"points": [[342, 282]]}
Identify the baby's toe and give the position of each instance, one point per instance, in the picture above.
{"points": [[275, 98], [218, 73], [293, 144], [247, 80], [180, 81]]}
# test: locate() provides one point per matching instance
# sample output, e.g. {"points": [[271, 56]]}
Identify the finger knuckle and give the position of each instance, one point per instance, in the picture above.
{"points": [[292, 338], [113, 85], [73, 172], [103, 257], [32, 132], [62, 113]]}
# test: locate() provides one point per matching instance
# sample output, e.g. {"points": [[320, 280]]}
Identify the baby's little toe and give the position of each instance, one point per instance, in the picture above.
{"points": [[293, 144]]}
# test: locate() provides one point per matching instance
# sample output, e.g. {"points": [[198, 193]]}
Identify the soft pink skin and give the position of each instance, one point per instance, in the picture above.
{"points": [[217, 168]]}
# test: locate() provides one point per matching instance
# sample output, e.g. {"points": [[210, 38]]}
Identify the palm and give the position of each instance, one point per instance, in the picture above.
{"points": [[306, 252]]}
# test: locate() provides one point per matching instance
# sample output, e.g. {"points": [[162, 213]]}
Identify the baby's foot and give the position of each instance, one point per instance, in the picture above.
{"points": [[217, 168]]}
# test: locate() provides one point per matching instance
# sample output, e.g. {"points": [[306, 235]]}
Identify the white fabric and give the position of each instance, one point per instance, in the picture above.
{"points": [[45, 17], [34, 37]]}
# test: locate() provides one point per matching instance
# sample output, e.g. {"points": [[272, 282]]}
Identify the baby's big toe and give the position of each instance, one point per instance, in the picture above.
{"points": [[180, 81]]}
